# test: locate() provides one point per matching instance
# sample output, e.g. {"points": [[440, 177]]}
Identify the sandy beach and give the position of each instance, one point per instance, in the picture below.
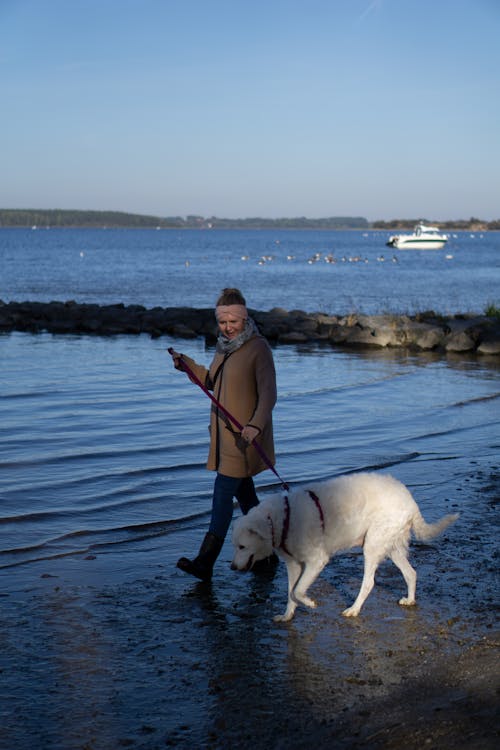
{"points": [[120, 649]]}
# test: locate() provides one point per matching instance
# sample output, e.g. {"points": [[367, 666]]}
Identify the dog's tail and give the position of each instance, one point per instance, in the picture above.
{"points": [[425, 531]]}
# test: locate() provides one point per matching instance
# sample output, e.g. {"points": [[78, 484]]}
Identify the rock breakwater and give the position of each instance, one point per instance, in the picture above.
{"points": [[477, 334]]}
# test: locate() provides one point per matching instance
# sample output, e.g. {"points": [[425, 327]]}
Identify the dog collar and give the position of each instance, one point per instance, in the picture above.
{"points": [[284, 531], [286, 525], [271, 524]]}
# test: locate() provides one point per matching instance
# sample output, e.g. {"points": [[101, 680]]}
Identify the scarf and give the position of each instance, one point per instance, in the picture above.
{"points": [[228, 346]]}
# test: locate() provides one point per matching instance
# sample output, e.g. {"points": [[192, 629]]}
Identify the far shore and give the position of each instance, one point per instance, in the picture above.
{"points": [[468, 333], [40, 218]]}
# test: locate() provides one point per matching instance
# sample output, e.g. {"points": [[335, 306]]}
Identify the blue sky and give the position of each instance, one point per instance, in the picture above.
{"points": [[238, 108]]}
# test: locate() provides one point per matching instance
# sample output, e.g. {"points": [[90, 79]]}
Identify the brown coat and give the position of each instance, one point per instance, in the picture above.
{"points": [[245, 385]]}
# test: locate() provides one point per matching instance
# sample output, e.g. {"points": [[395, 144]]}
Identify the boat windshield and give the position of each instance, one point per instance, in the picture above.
{"points": [[422, 229]]}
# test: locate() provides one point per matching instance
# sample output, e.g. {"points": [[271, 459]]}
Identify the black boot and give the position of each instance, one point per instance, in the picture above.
{"points": [[203, 563]]}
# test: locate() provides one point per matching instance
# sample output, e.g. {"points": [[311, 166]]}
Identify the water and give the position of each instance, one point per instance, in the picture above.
{"points": [[103, 444], [176, 268], [104, 643]]}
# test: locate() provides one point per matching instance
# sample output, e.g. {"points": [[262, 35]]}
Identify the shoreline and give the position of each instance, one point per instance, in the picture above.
{"points": [[120, 649], [426, 331]]}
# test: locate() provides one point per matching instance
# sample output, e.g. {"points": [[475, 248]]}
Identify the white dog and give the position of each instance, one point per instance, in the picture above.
{"points": [[306, 527]]}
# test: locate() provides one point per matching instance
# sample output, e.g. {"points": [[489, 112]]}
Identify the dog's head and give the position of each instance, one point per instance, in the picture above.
{"points": [[252, 541]]}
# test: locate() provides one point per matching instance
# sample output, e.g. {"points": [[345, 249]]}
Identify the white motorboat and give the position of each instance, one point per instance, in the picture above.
{"points": [[423, 238]]}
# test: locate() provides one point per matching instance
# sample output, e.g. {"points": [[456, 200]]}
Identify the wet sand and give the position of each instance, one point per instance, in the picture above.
{"points": [[119, 649]]}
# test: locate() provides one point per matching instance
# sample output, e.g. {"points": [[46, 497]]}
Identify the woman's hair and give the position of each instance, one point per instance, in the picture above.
{"points": [[230, 296]]}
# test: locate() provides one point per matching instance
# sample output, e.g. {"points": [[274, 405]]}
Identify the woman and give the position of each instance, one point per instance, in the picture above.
{"points": [[243, 379]]}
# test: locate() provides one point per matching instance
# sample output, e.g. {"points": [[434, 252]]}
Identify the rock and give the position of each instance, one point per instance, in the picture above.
{"points": [[489, 337], [338, 334], [429, 339], [459, 342], [376, 330], [422, 335], [183, 331], [426, 331], [293, 337], [489, 347], [369, 337]]}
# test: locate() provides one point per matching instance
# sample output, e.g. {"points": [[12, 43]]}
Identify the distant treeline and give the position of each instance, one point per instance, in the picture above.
{"points": [[472, 224], [17, 217], [299, 222], [100, 219], [65, 218]]}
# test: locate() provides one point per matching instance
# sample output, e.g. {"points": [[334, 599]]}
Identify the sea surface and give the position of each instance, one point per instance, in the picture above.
{"points": [[103, 444], [334, 272]]}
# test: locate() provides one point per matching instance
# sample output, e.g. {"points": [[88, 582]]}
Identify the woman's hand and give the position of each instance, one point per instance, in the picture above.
{"points": [[249, 433], [176, 357]]}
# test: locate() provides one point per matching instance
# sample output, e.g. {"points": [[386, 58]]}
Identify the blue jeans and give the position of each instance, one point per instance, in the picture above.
{"points": [[225, 488]]}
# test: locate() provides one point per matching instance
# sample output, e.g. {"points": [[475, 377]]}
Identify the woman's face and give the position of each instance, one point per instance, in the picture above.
{"points": [[230, 325]]}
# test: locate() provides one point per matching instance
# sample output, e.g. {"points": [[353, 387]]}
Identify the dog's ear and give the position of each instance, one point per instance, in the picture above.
{"points": [[260, 527], [256, 532]]}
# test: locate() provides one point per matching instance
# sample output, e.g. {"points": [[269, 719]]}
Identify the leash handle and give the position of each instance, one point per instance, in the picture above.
{"points": [[237, 424]]}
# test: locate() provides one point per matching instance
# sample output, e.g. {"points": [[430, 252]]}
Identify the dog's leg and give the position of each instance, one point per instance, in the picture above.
{"points": [[400, 559], [372, 560], [310, 572], [294, 570]]}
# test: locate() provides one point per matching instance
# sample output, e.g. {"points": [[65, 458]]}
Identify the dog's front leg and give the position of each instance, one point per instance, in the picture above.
{"points": [[294, 570]]}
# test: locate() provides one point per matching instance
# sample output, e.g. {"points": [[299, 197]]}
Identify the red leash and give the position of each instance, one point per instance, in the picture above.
{"points": [[223, 409]]}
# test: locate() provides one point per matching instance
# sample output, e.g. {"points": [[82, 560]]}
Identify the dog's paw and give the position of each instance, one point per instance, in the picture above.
{"points": [[307, 601], [405, 602], [283, 618], [351, 612]]}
